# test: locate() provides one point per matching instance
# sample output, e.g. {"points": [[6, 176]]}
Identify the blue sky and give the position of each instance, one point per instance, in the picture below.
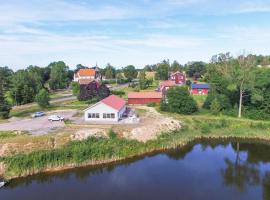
{"points": [[123, 32]]}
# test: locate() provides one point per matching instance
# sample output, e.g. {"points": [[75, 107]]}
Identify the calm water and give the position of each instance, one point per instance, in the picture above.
{"points": [[200, 171]]}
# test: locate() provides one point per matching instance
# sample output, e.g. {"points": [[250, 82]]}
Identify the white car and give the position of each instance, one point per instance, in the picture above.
{"points": [[55, 118]]}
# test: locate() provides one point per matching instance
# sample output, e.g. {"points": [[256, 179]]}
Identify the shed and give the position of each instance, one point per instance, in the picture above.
{"points": [[144, 97]]}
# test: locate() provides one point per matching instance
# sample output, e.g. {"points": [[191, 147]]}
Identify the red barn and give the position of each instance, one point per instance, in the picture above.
{"points": [[178, 77], [144, 97], [200, 89]]}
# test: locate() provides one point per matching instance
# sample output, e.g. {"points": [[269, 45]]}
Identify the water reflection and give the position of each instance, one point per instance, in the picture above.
{"points": [[212, 170]]}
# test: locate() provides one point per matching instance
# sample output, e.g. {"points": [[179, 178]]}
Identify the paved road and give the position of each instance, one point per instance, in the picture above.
{"points": [[36, 126], [66, 98]]}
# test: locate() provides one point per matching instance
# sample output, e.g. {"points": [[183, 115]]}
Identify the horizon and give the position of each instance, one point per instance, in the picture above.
{"points": [[138, 33]]}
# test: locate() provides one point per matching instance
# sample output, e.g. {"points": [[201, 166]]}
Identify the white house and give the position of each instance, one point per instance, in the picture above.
{"points": [[89, 74], [109, 109]]}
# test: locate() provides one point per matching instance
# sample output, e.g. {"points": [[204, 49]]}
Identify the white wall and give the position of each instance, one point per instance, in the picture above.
{"points": [[103, 108]]}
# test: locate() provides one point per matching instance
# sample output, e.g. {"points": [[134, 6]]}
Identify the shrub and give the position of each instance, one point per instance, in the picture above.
{"points": [[118, 92], [112, 134], [180, 101], [151, 104], [205, 128], [75, 86], [215, 106], [43, 98]]}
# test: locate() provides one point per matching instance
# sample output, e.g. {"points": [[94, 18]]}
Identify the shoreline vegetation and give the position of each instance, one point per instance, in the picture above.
{"points": [[105, 150]]}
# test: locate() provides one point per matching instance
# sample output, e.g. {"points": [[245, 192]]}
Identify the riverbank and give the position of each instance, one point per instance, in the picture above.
{"points": [[94, 151]]}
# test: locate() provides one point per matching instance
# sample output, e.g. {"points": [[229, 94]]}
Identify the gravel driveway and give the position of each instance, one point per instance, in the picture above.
{"points": [[37, 126]]}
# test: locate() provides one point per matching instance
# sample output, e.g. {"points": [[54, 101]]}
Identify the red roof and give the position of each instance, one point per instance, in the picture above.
{"points": [[87, 72], [167, 83], [114, 102], [145, 95], [87, 81]]}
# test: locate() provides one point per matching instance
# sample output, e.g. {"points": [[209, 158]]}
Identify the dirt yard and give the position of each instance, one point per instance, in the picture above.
{"points": [[152, 124]]}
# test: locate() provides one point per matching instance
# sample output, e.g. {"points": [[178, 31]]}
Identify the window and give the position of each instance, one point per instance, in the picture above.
{"points": [[93, 115], [108, 115]]}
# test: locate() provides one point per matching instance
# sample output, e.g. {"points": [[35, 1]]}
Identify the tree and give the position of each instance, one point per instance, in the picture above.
{"points": [[175, 66], [58, 75], [93, 90], [143, 82], [109, 71], [180, 101], [5, 108], [43, 98], [162, 70], [215, 106], [24, 88], [130, 72], [195, 69], [75, 86], [119, 78]]}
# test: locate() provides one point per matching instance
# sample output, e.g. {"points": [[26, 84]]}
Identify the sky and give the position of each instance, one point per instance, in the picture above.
{"points": [[123, 32]]}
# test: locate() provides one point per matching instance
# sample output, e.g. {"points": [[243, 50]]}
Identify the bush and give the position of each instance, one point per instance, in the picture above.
{"points": [[205, 128], [151, 104], [75, 86], [112, 134], [180, 101], [220, 99], [43, 98], [215, 106], [118, 92]]}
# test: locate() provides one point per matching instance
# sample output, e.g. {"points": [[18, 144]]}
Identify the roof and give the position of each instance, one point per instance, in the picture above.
{"points": [[87, 81], [177, 72], [167, 83], [145, 95], [200, 86], [87, 72], [114, 101]]}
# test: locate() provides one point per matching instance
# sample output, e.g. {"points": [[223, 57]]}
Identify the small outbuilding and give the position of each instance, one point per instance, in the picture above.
{"points": [[144, 97], [200, 89], [110, 109]]}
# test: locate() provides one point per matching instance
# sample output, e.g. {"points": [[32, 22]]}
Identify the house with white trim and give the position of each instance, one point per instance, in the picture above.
{"points": [[110, 109], [87, 74]]}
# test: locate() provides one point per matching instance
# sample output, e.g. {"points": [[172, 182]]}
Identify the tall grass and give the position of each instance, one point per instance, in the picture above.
{"points": [[115, 148]]}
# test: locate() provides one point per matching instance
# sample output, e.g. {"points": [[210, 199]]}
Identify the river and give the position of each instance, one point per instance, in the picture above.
{"points": [[200, 171]]}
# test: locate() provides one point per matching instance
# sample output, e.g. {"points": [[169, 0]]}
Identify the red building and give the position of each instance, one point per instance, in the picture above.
{"points": [[144, 97], [165, 85], [199, 89], [178, 77]]}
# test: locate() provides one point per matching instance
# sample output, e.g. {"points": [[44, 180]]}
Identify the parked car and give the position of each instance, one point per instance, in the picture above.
{"points": [[55, 118], [38, 114]]}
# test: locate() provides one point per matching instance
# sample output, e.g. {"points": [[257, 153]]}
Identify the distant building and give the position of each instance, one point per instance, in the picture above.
{"points": [[200, 89], [144, 97], [165, 85], [110, 109], [87, 73], [178, 77]]}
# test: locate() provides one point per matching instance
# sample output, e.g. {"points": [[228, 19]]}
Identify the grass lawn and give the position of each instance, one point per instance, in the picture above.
{"points": [[200, 99], [26, 112], [152, 87], [56, 95]]}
